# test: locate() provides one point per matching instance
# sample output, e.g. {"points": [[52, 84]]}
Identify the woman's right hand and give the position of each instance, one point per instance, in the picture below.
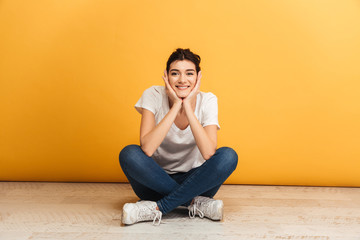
{"points": [[170, 91]]}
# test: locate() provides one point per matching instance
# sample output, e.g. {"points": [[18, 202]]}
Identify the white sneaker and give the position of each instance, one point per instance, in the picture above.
{"points": [[141, 211], [207, 207]]}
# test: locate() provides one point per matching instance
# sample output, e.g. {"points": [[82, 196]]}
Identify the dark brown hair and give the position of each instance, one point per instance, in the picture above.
{"points": [[184, 54]]}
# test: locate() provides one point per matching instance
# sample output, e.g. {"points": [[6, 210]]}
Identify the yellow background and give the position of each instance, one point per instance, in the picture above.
{"points": [[286, 74]]}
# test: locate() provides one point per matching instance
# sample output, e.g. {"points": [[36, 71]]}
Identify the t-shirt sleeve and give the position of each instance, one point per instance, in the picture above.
{"points": [[210, 111], [149, 100]]}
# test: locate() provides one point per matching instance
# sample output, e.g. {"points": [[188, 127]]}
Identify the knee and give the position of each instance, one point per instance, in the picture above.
{"points": [[128, 154], [227, 159]]}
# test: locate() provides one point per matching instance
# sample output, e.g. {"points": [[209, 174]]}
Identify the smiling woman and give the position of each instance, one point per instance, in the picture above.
{"points": [[182, 77], [177, 162]]}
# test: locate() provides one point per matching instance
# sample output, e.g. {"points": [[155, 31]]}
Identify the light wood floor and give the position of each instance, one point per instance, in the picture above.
{"points": [[39, 211]]}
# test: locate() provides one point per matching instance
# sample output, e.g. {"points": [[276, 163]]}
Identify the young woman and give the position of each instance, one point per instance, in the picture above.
{"points": [[177, 162]]}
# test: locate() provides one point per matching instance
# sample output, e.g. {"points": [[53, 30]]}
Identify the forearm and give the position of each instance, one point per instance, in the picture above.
{"points": [[152, 140], [206, 146]]}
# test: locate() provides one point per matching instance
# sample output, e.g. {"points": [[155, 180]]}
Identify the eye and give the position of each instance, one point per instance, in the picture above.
{"points": [[190, 73], [174, 73]]}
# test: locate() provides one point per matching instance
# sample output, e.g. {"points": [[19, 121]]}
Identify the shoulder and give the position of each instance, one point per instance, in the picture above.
{"points": [[208, 102], [151, 99], [209, 109], [156, 90], [207, 97], [157, 93]]}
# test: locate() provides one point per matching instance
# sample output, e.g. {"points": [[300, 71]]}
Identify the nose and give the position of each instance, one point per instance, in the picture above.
{"points": [[182, 78]]}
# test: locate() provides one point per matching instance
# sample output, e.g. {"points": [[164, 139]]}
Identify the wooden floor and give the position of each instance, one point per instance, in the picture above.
{"points": [[51, 211]]}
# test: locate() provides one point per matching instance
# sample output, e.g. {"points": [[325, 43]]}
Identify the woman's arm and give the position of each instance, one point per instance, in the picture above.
{"points": [[205, 137], [152, 135]]}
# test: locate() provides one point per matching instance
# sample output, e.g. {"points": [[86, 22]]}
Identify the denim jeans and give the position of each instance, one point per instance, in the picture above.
{"points": [[150, 182]]}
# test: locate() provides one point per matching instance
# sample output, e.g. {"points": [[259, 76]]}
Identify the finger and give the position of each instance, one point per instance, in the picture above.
{"points": [[168, 87], [198, 82], [166, 83], [165, 78]]}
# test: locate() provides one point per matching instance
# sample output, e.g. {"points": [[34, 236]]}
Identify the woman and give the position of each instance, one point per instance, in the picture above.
{"points": [[177, 162]]}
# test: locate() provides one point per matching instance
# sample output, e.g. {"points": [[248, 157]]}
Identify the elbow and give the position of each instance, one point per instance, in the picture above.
{"points": [[208, 155], [144, 148], [147, 148], [147, 151], [210, 152]]}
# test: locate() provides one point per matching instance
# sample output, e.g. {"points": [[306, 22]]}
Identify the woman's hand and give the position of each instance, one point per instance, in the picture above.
{"points": [[169, 91], [194, 92]]}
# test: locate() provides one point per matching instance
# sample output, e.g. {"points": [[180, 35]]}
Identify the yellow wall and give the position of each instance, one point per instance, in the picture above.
{"points": [[286, 74]]}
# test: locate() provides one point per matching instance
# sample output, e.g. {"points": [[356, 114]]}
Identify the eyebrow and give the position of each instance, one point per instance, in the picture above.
{"points": [[185, 70]]}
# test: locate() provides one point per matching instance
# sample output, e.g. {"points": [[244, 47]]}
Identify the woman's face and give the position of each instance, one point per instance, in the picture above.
{"points": [[182, 77]]}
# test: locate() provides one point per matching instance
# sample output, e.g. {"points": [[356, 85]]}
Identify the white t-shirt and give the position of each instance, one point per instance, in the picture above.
{"points": [[178, 152]]}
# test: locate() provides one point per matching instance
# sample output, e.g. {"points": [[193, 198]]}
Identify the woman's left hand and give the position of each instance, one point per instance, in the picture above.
{"points": [[194, 92]]}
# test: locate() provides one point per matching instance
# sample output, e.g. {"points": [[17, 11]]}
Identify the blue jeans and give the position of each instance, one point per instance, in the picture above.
{"points": [[150, 182]]}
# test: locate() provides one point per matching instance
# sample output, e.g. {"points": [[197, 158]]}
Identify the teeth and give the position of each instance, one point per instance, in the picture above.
{"points": [[182, 87]]}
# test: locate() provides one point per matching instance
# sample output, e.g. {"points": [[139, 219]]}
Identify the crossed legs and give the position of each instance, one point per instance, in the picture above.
{"points": [[150, 182]]}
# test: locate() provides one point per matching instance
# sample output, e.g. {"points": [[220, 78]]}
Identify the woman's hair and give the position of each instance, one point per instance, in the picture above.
{"points": [[184, 54]]}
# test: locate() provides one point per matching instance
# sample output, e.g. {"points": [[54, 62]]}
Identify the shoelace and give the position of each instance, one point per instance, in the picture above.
{"points": [[158, 216], [148, 214], [193, 210]]}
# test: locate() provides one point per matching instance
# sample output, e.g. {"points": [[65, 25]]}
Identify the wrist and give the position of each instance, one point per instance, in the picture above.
{"points": [[186, 103], [178, 104], [187, 106]]}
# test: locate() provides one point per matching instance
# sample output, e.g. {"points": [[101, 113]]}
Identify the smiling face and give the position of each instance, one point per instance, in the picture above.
{"points": [[182, 77]]}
